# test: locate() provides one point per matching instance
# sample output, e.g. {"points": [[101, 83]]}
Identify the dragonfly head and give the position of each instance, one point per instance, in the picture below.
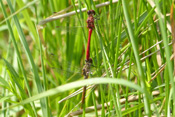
{"points": [[91, 12]]}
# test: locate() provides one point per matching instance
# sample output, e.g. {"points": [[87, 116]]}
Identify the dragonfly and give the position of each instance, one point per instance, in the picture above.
{"points": [[86, 68]]}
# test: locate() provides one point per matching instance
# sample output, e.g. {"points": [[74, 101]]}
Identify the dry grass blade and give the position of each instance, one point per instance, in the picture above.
{"points": [[49, 19], [161, 68], [143, 58], [122, 101], [76, 93]]}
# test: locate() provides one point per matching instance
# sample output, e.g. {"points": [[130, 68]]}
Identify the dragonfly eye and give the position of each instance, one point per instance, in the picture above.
{"points": [[89, 12], [93, 12]]}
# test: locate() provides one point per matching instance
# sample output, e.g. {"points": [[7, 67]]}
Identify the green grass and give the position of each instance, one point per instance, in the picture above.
{"points": [[41, 64]]}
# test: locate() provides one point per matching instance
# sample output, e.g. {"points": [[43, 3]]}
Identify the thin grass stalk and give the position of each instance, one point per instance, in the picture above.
{"points": [[111, 52], [28, 21], [117, 46], [45, 84], [116, 62], [135, 14], [102, 100], [167, 89], [62, 113], [94, 102], [147, 62], [169, 114], [128, 78]]}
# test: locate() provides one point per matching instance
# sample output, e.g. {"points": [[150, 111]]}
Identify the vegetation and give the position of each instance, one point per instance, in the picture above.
{"points": [[42, 58]]}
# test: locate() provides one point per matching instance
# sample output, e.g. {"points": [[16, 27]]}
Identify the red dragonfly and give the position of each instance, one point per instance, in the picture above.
{"points": [[86, 68]]}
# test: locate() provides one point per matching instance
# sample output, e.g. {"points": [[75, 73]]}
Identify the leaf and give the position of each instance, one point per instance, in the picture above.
{"points": [[76, 84]]}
